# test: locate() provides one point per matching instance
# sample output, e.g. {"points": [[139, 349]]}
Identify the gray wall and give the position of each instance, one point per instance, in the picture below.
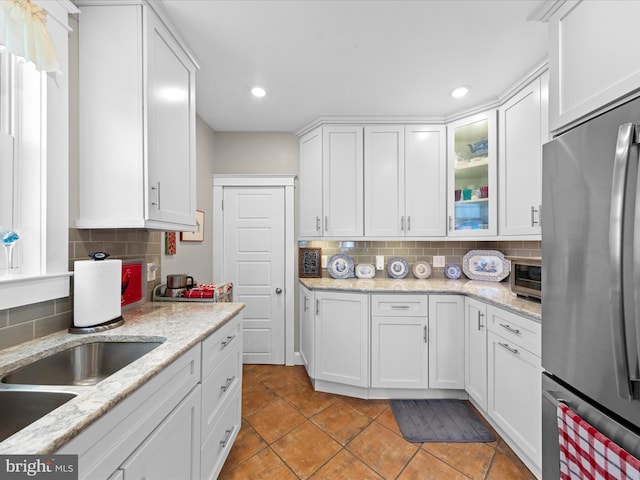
{"points": [[256, 153]]}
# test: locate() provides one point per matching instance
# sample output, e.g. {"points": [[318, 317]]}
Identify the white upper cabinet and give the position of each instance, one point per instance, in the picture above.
{"points": [[590, 59], [136, 120], [523, 128], [311, 217], [342, 181], [472, 162], [405, 178]]}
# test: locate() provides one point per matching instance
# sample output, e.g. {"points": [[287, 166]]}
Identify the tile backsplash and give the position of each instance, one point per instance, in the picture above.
{"points": [[412, 251], [21, 324]]}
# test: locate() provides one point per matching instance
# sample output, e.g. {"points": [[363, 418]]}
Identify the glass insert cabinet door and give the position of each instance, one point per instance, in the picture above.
{"points": [[472, 183]]}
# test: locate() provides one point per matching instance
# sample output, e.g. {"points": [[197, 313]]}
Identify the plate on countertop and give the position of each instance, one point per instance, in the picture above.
{"points": [[421, 270], [340, 266], [397, 267], [487, 265], [452, 271], [365, 270]]}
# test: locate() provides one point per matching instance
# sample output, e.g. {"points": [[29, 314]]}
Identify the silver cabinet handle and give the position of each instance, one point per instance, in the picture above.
{"points": [[510, 328], [227, 340], [409, 223], [317, 224], [317, 306], [425, 335], [450, 222], [157, 189], [227, 436], [480, 315], [400, 307], [226, 386], [305, 303], [402, 223], [506, 345], [534, 222]]}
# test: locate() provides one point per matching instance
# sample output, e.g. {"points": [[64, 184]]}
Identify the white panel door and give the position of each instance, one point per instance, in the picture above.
{"points": [[475, 372], [446, 341], [254, 249]]}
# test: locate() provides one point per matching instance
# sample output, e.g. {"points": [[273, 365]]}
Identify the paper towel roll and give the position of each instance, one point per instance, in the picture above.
{"points": [[96, 291]]}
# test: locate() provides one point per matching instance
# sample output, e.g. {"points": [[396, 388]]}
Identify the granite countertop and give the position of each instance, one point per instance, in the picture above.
{"points": [[179, 325], [496, 293]]}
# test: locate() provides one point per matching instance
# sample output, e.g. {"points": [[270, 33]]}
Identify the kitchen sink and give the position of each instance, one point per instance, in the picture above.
{"points": [[19, 408], [85, 364]]}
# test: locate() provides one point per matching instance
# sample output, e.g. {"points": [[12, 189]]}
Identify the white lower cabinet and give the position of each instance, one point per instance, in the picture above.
{"points": [[342, 338], [446, 341], [475, 343], [307, 325], [180, 424], [173, 449], [399, 326], [514, 381]]}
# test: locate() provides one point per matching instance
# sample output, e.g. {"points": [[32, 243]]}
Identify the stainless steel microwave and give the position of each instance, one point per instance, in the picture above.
{"points": [[526, 277]]}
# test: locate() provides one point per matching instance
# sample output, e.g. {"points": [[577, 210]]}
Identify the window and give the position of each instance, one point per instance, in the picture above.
{"points": [[34, 176]]}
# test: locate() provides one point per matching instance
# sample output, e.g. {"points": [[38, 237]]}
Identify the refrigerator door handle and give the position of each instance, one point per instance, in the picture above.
{"points": [[616, 219]]}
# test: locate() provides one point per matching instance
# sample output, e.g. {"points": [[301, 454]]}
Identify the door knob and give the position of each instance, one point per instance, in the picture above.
{"points": [[278, 290]]}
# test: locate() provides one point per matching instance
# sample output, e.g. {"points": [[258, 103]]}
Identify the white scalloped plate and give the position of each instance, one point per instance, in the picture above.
{"points": [[365, 270], [421, 270]]}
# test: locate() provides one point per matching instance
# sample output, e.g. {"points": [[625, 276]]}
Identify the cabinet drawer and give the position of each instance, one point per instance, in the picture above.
{"points": [[218, 344], [522, 331], [218, 386], [399, 305], [224, 432]]}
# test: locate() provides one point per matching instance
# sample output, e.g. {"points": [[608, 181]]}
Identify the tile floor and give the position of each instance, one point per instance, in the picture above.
{"points": [[290, 431]]}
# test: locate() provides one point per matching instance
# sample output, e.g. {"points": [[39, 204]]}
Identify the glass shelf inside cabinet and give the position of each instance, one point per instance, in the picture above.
{"points": [[471, 176]]}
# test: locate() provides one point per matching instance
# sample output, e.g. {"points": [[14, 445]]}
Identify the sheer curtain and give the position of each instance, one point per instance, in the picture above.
{"points": [[23, 31]]}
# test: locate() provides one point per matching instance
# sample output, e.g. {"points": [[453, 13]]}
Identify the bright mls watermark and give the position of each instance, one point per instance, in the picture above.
{"points": [[52, 467]]}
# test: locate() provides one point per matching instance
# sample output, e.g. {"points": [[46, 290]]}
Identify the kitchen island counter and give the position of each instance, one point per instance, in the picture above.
{"points": [[179, 326], [496, 293]]}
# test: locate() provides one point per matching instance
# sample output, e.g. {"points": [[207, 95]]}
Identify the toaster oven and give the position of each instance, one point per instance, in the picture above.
{"points": [[526, 277]]}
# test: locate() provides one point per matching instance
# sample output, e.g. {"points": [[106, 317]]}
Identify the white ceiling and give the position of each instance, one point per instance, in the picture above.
{"points": [[352, 57]]}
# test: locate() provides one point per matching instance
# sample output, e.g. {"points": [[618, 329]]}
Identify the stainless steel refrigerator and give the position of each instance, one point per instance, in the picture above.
{"points": [[591, 279]]}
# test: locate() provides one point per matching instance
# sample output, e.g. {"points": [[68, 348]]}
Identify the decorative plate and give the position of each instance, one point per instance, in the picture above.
{"points": [[421, 270], [452, 271], [365, 270], [488, 265], [397, 267], [340, 266]]}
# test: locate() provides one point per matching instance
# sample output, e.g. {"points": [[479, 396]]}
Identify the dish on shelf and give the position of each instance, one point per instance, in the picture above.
{"points": [[340, 266], [421, 270], [365, 270], [487, 265], [452, 271], [397, 267]]}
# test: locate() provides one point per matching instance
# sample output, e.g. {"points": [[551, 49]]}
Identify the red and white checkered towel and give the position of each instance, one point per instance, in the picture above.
{"points": [[586, 454]]}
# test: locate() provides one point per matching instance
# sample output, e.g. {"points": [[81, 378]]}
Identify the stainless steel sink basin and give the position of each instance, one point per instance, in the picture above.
{"points": [[19, 408], [85, 364]]}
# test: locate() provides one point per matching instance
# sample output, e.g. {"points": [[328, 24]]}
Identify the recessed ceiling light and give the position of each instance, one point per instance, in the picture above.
{"points": [[460, 91], [258, 92]]}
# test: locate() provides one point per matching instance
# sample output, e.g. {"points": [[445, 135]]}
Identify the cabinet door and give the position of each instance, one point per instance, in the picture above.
{"points": [[523, 130], [514, 384], [342, 338], [399, 352], [425, 174], [475, 371], [311, 184], [446, 341], [170, 96], [173, 448], [342, 181], [590, 71], [384, 181], [307, 317], [472, 176]]}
